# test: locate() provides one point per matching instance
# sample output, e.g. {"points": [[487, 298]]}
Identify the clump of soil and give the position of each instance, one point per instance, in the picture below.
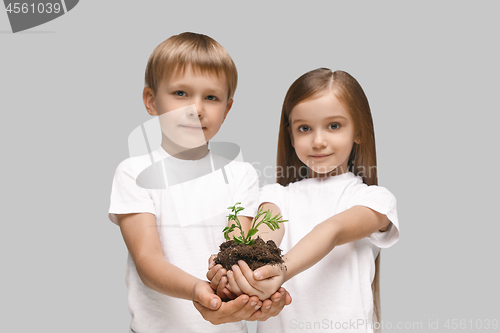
{"points": [[259, 254]]}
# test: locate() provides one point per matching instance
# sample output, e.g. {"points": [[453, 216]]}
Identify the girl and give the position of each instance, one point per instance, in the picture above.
{"points": [[338, 217]]}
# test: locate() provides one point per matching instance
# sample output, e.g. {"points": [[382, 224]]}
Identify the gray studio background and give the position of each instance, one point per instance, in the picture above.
{"points": [[71, 93]]}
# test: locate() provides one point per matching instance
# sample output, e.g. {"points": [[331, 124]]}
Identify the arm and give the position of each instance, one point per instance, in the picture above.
{"points": [[141, 238], [350, 225], [353, 224]]}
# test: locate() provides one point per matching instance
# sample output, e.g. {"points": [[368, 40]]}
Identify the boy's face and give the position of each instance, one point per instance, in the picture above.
{"points": [[191, 106]]}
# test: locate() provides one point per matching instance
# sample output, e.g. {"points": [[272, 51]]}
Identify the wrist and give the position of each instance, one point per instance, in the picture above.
{"points": [[288, 270]]}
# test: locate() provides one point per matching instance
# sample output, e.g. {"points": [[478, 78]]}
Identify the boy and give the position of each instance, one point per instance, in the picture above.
{"points": [[171, 205]]}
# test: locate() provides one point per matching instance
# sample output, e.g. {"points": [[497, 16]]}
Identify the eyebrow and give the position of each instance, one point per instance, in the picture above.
{"points": [[331, 117], [181, 85]]}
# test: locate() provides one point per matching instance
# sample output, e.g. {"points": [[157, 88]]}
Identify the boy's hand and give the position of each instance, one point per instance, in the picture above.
{"points": [[273, 306], [217, 312], [242, 281]]}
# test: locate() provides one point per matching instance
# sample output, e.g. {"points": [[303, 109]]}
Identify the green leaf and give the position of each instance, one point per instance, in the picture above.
{"points": [[271, 221], [238, 240], [228, 230], [252, 232]]}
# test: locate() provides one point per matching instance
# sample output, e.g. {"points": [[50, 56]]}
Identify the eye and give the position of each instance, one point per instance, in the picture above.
{"points": [[180, 93], [304, 128], [334, 126], [211, 98]]}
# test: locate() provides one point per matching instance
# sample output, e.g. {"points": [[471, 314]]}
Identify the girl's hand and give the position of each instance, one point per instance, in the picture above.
{"points": [[217, 276], [267, 271], [242, 281]]}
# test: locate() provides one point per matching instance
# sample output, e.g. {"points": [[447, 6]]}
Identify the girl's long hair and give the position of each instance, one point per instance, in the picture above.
{"points": [[362, 161]]}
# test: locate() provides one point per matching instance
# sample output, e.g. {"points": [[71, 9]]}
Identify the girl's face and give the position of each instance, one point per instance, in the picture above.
{"points": [[322, 133]]}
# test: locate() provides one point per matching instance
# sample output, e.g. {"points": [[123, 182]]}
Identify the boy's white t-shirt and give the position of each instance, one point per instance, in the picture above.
{"points": [[189, 199], [335, 294]]}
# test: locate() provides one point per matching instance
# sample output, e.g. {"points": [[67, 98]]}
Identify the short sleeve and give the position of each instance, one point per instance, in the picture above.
{"points": [[247, 190], [383, 201], [272, 193], [126, 196]]}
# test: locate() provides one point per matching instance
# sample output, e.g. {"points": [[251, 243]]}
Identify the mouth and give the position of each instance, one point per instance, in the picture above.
{"points": [[319, 156], [192, 127]]}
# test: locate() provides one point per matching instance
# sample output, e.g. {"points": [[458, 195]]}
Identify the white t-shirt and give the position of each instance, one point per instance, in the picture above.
{"points": [[335, 294], [189, 199]]}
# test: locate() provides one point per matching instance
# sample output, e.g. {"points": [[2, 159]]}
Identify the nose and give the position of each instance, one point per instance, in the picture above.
{"points": [[319, 141], [197, 110]]}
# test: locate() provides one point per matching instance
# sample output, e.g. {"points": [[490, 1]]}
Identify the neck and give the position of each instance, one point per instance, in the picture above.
{"points": [[185, 153], [341, 169]]}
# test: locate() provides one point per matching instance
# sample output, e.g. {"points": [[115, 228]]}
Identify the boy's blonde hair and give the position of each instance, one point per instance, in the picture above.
{"points": [[200, 51]]}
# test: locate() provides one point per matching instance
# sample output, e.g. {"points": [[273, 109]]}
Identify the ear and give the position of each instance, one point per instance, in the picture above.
{"points": [[148, 97], [228, 107], [291, 136], [357, 139]]}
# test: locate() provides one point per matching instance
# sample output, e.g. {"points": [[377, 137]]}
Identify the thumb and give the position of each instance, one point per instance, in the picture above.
{"points": [[266, 272], [207, 297]]}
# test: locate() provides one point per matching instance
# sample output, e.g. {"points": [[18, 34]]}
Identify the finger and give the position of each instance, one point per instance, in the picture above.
{"points": [[251, 311], [229, 294], [279, 302], [215, 280], [211, 262], [243, 284], [278, 296], [247, 272], [257, 315], [227, 311], [213, 271], [288, 297], [266, 306], [233, 286], [206, 296], [221, 287], [266, 272], [222, 274]]}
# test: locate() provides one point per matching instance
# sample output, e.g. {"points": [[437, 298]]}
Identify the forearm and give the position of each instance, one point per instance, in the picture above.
{"points": [[158, 274], [311, 249], [353, 224], [143, 243]]}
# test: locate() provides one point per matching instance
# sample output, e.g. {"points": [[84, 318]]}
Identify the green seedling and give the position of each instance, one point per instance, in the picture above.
{"points": [[271, 222]]}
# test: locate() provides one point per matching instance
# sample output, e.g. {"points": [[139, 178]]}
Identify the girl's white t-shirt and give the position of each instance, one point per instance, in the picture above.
{"points": [[335, 294], [190, 200]]}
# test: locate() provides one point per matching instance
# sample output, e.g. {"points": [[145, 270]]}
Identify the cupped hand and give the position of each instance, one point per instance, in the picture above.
{"points": [[242, 281], [273, 306], [217, 312]]}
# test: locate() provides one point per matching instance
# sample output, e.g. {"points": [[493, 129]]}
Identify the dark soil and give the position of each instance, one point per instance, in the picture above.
{"points": [[259, 254]]}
